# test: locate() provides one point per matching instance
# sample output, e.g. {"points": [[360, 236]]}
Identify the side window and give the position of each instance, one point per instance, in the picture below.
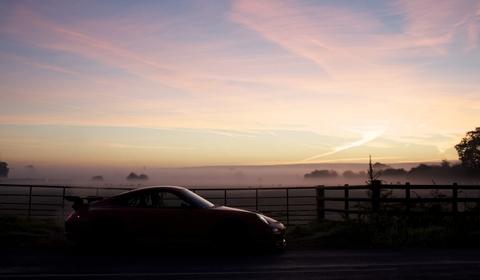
{"points": [[143, 200], [133, 201], [154, 199], [170, 200]]}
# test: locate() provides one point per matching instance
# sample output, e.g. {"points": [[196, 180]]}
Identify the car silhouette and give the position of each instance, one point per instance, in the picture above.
{"points": [[170, 215]]}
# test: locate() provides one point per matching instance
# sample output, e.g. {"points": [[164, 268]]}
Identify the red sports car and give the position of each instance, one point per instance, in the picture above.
{"points": [[173, 216]]}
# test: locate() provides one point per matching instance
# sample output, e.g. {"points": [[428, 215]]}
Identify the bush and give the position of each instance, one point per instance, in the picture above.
{"points": [[321, 174]]}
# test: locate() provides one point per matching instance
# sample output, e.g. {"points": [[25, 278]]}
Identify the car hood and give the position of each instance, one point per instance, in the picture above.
{"points": [[238, 210], [231, 209]]}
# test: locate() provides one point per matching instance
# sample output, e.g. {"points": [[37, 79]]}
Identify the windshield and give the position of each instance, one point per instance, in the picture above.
{"points": [[196, 199]]}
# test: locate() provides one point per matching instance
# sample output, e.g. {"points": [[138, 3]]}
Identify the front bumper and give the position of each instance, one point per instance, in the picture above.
{"points": [[279, 237]]}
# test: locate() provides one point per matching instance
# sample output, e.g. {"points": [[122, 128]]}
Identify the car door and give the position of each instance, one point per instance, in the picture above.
{"points": [[135, 211], [170, 215]]}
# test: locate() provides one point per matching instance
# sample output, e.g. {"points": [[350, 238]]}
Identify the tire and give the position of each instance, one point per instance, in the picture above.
{"points": [[106, 233]]}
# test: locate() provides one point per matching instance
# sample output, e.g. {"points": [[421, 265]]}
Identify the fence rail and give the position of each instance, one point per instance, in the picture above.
{"points": [[291, 205], [403, 199]]}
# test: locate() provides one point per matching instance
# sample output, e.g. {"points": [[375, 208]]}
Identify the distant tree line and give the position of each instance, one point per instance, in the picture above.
{"points": [[443, 170], [322, 174], [131, 177]]}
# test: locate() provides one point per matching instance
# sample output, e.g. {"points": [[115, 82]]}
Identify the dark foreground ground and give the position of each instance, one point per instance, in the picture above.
{"points": [[294, 264]]}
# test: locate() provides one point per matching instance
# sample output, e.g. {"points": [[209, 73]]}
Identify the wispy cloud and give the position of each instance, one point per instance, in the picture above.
{"points": [[345, 38], [38, 64], [147, 147], [32, 27], [436, 24], [367, 135]]}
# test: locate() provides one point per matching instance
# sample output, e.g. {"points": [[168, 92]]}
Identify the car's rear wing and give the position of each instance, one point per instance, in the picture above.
{"points": [[81, 201]]}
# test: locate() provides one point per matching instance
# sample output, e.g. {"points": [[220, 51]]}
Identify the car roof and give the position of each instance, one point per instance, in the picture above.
{"points": [[166, 188]]}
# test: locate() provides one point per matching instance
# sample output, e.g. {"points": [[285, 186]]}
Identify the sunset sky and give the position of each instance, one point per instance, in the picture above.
{"points": [[188, 83]]}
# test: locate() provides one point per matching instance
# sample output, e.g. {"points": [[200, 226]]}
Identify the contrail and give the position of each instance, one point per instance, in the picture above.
{"points": [[366, 137]]}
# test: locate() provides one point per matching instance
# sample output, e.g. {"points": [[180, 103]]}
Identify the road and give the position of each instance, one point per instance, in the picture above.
{"points": [[314, 264]]}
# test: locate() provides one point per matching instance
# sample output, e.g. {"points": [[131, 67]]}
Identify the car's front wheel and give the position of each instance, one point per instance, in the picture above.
{"points": [[231, 235]]}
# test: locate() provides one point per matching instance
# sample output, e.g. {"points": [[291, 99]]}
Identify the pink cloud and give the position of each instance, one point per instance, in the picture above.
{"points": [[39, 64], [333, 35], [436, 23], [31, 27], [199, 69], [313, 32], [194, 68]]}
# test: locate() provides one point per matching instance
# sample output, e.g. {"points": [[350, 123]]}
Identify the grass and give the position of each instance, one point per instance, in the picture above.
{"points": [[386, 231], [22, 232], [429, 224], [374, 231]]}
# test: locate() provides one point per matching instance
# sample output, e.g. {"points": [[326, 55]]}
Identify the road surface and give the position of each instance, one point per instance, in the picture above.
{"points": [[314, 264]]}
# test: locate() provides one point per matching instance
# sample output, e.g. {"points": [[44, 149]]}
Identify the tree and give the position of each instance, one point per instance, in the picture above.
{"points": [[97, 178], [4, 169], [324, 173], [134, 176], [469, 150], [379, 166], [349, 174], [394, 172], [374, 173]]}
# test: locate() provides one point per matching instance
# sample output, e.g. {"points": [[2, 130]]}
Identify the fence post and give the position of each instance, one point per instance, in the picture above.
{"points": [[455, 198], [30, 202], [225, 197], [347, 204], [320, 197], [63, 202], [288, 208], [407, 197], [376, 187]]}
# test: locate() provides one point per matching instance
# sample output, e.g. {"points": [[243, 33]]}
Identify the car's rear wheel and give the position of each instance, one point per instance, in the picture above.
{"points": [[101, 233]]}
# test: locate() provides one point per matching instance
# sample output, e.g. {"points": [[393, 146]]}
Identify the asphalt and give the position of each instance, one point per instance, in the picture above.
{"points": [[293, 264]]}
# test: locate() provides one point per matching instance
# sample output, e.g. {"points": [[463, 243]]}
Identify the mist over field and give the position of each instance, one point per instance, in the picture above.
{"points": [[211, 176]]}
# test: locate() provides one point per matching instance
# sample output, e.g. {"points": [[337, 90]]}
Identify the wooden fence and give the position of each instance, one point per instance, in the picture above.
{"points": [[400, 199], [291, 205], [295, 205]]}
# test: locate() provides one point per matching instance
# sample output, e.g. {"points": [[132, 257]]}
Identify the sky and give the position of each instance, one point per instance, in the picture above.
{"points": [[194, 83]]}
